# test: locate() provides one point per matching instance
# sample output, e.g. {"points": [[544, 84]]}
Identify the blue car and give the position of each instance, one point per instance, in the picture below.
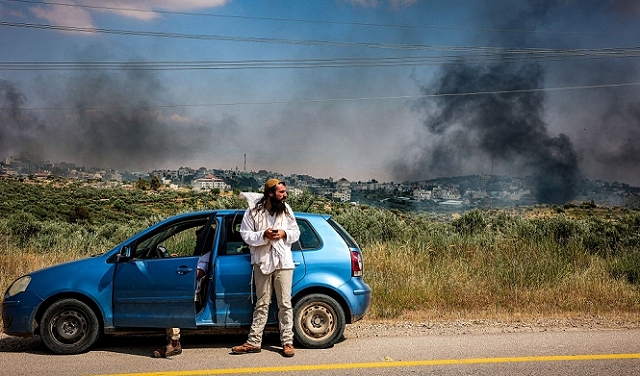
{"points": [[148, 281]]}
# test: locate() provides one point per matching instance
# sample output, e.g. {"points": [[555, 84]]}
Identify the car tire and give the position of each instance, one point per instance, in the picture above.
{"points": [[318, 321], [69, 326]]}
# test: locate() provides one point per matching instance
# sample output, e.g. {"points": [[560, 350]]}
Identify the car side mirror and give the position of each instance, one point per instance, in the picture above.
{"points": [[125, 253]]}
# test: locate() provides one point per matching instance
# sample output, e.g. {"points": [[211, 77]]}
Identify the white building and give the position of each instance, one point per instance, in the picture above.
{"points": [[210, 182], [343, 190], [342, 195], [421, 194]]}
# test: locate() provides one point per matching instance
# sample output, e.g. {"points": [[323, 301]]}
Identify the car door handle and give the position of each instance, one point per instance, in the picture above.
{"points": [[296, 263], [182, 270]]}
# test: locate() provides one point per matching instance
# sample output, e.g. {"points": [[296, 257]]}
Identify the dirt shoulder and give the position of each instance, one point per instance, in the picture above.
{"points": [[370, 328]]}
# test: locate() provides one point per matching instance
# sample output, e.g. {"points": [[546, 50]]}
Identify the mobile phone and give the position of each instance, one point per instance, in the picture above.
{"points": [[274, 231]]}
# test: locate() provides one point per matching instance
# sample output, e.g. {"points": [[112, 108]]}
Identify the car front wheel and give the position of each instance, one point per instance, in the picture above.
{"points": [[318, 321], [69, 326]]}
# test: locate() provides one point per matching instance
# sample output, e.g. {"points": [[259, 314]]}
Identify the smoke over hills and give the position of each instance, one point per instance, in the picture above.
{"points": [[556, 138], [504, 128], [17, 126], [100, 119]]}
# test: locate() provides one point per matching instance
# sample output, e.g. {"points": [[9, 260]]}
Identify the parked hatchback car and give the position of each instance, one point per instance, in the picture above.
{"points": [[148, 281]]}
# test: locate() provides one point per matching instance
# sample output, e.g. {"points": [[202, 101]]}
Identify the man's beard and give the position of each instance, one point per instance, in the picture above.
{"points": [[277, 206]]}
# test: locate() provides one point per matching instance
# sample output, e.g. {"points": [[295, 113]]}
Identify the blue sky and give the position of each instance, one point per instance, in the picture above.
{"points": [[390, 90]]}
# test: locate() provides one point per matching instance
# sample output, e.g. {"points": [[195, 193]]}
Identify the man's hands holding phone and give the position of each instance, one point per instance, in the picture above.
{"points": [[273, 234]]}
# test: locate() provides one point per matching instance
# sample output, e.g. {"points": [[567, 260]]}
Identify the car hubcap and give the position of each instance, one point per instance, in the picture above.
{"points": [[317, 320], [69, 327]]}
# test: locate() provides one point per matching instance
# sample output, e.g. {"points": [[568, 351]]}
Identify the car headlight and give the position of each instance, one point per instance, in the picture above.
{"points": [[18, 286]]}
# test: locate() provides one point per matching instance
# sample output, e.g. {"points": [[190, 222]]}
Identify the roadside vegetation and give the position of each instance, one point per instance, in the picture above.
{"points": [[527, 262]]}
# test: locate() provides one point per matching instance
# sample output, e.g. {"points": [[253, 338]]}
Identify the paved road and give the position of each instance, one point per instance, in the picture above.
{"points": [[602, 352]]}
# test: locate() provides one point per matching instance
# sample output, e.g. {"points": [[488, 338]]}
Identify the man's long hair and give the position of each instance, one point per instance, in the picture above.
{"points": [[277, 207]]}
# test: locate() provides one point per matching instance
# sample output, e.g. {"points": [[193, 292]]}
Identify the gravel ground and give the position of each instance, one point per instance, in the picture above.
{"points": [[368, 328]]}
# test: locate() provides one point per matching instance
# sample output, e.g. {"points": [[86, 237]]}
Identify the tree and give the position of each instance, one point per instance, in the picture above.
{"points": [[142, 184], [80, 214], [155, 183]]}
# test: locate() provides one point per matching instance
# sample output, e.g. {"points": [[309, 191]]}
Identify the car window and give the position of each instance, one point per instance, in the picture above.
{"points": [[178, 240], [234, 245], [309, 239], [343, 234]]}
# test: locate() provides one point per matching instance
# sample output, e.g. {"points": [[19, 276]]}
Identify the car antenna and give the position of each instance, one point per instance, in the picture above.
{"points": [[313, 199]]}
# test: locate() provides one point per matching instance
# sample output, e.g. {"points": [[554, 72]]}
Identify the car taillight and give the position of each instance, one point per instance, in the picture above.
{"points": [[357, 267]]}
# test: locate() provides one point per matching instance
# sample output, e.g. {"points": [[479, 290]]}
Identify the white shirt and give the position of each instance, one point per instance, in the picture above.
{"points": [[270, 255]]}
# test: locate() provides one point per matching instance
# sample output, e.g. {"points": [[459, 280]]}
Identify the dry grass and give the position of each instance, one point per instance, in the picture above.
{"points": [[466, 282], [14, 264]]}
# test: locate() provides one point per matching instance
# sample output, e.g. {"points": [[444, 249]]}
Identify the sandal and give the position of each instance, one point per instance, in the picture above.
{"points": [[167, 351], [245, 348]]}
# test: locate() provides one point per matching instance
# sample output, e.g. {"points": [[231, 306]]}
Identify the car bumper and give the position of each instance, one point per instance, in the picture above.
{"points": [[18, 314], [358, 294]]}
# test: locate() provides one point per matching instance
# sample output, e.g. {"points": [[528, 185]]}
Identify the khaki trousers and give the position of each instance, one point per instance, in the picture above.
{"points": [[280, 282]]}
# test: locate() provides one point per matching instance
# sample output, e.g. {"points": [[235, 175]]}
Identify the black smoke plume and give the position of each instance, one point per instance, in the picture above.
{"points": [[503, 125], [492, 116], [16, 124], [101, 119]]}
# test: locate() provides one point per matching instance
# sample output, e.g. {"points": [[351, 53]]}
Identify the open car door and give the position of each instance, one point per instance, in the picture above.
{"points": [[154, 287]]}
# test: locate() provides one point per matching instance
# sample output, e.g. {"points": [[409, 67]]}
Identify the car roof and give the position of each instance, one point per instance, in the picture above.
{"points": [[224, 212]]}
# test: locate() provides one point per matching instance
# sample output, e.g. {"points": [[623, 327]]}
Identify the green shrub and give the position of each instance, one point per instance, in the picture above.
{"points": [[80, 214], [627, 267], [371, 225], [469, 223], [23, 226]]}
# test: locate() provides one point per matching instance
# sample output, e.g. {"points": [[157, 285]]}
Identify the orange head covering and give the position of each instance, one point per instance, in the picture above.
{"points": [[271, 183]]}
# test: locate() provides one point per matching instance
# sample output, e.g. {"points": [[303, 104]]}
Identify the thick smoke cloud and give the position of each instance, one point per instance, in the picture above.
{"points": [[18, 126], [101, 119], [498, 128], [555, 138]]}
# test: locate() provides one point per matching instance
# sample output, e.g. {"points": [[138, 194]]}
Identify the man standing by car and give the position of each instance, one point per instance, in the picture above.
{"points": [[269, 228]]}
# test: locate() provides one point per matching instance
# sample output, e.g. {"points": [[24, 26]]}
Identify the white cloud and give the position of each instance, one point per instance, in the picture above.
{"points": [[402, 3], [150, 5], [179, 119], [141, 10], [365, 3], [395, 4], [67, 16]]}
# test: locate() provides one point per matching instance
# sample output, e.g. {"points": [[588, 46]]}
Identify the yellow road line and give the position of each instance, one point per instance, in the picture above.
{"points": [[394, 364]]}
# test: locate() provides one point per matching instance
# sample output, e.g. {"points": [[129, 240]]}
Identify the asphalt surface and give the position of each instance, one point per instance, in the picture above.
{"points": [[574, 351]]}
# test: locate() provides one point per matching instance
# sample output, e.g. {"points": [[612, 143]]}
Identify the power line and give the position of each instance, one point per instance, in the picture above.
{"points": [[215, 37], [476, 57], [240, 65], [327, 100], [502, 51], [300, 20]]}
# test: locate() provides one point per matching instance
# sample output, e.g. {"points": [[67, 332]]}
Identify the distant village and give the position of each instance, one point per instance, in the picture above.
{"points": [[441, 194]]}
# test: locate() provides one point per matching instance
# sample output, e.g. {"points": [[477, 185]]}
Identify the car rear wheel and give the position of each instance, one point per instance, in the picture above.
{"points": [[69, 326], [318, 322]]}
